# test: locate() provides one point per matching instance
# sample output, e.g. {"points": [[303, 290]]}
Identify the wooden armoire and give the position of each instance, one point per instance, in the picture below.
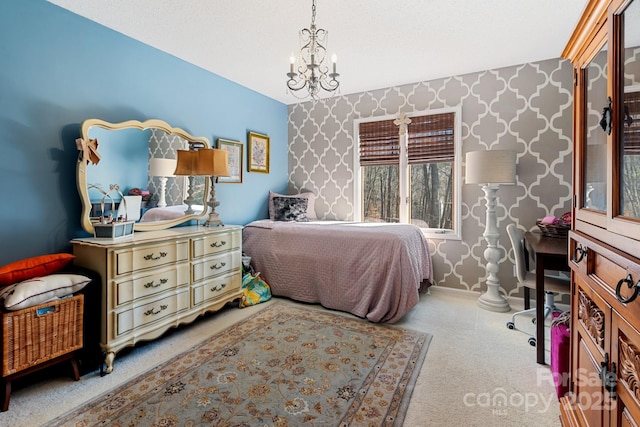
{"points": [[604, 242]]}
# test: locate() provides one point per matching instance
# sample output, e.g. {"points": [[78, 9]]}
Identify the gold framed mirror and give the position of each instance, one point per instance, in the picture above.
{"points": [[128, 166]]}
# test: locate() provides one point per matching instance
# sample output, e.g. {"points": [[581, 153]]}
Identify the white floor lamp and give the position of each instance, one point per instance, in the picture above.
{"points": [[491, 168], [162, 168]]}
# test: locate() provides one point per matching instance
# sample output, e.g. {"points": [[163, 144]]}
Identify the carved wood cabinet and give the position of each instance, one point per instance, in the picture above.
{"points": [[160, 279], [604, 242]]}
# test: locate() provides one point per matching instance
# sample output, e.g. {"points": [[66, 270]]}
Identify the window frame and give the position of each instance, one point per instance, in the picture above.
{"points": [[404, 167]]}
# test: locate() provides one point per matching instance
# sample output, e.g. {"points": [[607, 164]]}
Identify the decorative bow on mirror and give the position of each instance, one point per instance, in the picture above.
{"points": [[88, 150]]}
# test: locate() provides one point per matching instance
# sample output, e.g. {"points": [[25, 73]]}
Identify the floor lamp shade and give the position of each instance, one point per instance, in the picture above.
{"points": [[491, 168], [162, 167]]}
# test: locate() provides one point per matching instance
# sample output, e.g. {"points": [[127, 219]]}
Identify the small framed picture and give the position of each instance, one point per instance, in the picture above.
{"points": [[258, 153], [235, 150]]}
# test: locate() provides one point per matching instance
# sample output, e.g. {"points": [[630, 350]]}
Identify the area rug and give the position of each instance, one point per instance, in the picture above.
{"points": [[283, 366]]}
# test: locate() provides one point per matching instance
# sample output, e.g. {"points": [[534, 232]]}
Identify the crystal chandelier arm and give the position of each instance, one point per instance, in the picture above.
{"points": [[330, 85]]}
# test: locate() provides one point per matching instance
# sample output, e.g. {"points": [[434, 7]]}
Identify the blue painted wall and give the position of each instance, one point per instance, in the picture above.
{"points": [[58, 69], [126, 150]]}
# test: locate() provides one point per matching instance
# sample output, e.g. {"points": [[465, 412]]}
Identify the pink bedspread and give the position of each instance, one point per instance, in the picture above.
{"points": [[375, 271]]}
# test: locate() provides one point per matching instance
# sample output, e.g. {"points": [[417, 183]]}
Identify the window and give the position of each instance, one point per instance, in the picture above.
{"points": [[630, 188], [412, 177]]}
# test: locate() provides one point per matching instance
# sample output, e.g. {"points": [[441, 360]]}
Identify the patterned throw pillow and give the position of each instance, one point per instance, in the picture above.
{"points": [[290, 209], [311, 199]]}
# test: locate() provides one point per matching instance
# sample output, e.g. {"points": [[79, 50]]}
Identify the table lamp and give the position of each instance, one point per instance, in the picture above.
{"points": [[186, 165], [214, 163]]}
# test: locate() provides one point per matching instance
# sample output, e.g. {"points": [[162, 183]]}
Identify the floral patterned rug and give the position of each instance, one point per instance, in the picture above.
{"points": [[284, 366]]}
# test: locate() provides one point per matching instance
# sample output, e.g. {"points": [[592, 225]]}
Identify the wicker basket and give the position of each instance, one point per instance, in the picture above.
{"points": [[36, 334], [553, 230]]}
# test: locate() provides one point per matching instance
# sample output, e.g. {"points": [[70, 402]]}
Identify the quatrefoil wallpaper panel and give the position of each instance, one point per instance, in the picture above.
{"points": [[526, 108]]}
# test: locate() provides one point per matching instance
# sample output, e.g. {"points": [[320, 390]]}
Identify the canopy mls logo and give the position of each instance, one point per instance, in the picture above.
{"points": [[499, 400]]}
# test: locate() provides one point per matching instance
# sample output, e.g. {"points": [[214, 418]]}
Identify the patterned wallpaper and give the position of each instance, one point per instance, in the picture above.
{"points": [[526, 108], [163, 145]]}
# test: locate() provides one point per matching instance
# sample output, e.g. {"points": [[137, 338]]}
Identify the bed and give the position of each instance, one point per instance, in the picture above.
{"points": [[169, 212], [372, 270]]}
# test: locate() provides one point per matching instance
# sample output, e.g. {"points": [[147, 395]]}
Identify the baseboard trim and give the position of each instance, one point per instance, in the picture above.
{"points": [[516, 303]]}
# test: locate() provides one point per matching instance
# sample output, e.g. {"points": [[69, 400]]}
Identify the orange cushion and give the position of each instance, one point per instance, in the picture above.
{"points": [[33, 267]]}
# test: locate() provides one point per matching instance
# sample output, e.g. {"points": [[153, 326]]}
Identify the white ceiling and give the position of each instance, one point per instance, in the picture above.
{"points": [[379, 43]]}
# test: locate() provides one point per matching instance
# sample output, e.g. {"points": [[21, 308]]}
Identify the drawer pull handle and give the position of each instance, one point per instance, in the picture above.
{"points": [[152, 283], [218, 288], [153, 313], [150, 257], [629, 281], [218, 266], [218, 245], [579, 254]]}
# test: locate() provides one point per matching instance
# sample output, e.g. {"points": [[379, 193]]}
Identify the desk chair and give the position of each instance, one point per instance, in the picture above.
{"points": [[552, 284]]}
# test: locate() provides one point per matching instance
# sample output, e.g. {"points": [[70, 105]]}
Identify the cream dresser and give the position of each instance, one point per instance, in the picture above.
{"points": [[156, 280]]}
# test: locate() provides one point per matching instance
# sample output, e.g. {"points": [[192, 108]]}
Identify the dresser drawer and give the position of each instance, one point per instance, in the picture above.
{"points": [[163, 308], [607, 272], [127, 290], [220, 242], [134, 259], [159, 279], [609, 268], [578, 254], [216, 287], [216, 265]]}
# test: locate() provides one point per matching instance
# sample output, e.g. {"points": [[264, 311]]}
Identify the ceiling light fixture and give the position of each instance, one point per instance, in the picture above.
{"points": [[312, 69]]}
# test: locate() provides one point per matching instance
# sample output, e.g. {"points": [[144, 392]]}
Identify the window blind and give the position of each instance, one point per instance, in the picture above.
{"points": [[431, 140], [379, 143], [631, 121]]}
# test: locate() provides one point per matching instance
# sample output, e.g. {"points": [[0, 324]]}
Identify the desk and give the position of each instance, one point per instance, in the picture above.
{"points": [[549, 253]]}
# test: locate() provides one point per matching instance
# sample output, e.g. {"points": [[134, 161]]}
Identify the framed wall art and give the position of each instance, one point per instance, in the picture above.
{"points": [[258, 153], [235, 150]]}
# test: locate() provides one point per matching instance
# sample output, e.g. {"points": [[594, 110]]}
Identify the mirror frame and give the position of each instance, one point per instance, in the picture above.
{"points": [[82, 164]]}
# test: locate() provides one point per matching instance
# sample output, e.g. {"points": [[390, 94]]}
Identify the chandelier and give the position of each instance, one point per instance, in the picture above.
{"points": [[311, 71]]}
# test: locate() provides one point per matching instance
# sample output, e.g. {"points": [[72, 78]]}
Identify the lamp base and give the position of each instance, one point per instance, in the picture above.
{"points": [[491, 303], [492, 300], [214, 220]]}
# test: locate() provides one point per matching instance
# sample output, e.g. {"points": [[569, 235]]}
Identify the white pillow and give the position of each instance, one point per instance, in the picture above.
{"points": [[41, 289], [311, 207]]}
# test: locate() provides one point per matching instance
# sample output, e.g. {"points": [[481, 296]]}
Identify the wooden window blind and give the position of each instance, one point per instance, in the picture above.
{"points": [[431, 140], [379, 143]]}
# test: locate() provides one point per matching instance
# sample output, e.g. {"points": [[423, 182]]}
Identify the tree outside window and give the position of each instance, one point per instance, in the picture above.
{"points": [[428, 154]]}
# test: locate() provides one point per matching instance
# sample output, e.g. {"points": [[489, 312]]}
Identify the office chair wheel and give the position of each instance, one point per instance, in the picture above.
{"points": [[511, 325], [532, 341], [534, 320]]}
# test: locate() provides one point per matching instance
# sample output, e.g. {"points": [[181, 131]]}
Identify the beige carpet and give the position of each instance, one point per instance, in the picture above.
{"points": [[285, 366], [473, 361]]}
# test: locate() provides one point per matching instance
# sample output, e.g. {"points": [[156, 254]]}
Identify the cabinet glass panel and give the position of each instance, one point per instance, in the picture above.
{"points": [[630, 147], [595, 153]]}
